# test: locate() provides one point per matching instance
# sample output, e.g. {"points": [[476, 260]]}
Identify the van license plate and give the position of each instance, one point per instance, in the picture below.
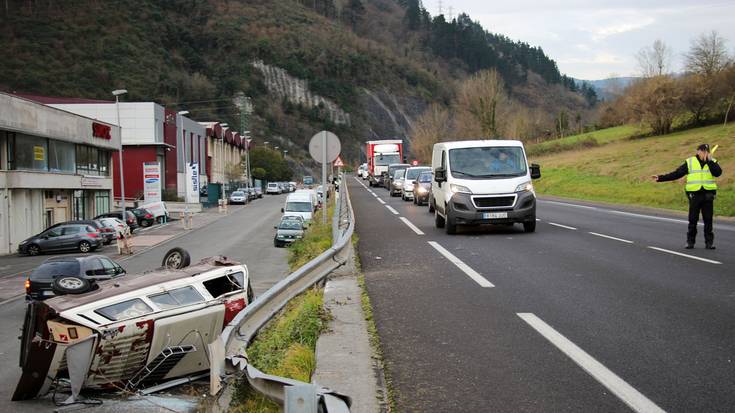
{"points": [[494, 215]]}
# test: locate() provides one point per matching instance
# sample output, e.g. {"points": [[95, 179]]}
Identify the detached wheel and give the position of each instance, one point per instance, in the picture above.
{"points": [[34, 249], [529, 226], [176, 259], [85, 246], [71, 284]]}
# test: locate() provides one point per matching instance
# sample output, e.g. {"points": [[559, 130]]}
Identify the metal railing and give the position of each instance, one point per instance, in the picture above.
{"points": [[231, 347]]}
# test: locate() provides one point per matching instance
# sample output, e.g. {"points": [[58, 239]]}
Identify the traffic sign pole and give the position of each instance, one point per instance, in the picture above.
{"points": [[324, 177]]}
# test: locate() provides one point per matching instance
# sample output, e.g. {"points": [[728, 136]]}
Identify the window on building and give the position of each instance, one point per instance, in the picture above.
{"points": [[92, 161], [79, 204], [102, 202], [61, 156], [104, 162], [28, 153]]}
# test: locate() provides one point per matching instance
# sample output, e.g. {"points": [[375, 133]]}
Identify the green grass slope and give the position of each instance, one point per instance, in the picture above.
{"points": [[619, 172]]}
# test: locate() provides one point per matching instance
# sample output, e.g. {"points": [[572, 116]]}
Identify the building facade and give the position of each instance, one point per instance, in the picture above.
{"points": [[55, 166], [224, 150]]}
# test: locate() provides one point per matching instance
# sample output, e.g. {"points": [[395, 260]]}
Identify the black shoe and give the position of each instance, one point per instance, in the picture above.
{"points": [[689, 246], [710, 247]]}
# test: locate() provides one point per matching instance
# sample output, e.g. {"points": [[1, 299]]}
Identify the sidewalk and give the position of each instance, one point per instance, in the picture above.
{"points": [[12, 286]]}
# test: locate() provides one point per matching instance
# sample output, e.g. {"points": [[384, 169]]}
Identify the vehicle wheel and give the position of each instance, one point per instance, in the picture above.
{"points": [[529, 226], [176, 258], [275, 244], [431, 206], [438, 220], [71, 284], [34, 249], [251, 295], [85, 246], [451, 226], [145, 223]]}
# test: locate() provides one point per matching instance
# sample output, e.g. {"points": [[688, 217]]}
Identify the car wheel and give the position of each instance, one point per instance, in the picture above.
{"points": [[438, 220], [145, 223], [34, 249], [529, 226], [450, 225], [85, 246], [70, 284], [431, 206], [176, 258]]}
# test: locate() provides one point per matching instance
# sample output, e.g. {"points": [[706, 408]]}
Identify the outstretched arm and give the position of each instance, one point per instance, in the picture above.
{"points": [[680, 172]]}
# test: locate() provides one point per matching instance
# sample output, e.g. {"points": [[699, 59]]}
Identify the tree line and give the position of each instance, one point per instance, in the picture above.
{"points": [[663, 101]]}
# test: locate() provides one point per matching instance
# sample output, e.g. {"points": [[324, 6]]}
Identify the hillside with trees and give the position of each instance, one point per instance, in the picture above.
{"points": [[382, 65]]}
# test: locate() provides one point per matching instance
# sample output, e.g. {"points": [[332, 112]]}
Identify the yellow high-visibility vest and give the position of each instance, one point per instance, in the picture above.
{"points": [[699, 177]]}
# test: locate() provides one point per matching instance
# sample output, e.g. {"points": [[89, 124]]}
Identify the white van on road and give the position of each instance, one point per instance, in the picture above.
{"points": [[299, 204], [483, 182]]}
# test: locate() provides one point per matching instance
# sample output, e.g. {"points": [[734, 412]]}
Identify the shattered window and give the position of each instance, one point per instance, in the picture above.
{"points": [[176, 298], [127, 309], [224, 285]]}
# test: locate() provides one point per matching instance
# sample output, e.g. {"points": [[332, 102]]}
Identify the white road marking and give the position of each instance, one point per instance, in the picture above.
{"points": [[562, 226], [374, 194], [609, 237], [538, 219], [624, 391], [685, 255], [391, 209], [462, 266], [381, 201], [412, 226]]}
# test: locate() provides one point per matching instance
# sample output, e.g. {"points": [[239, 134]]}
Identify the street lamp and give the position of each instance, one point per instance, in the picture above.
{"points": [[117, 93], [222, 161]]}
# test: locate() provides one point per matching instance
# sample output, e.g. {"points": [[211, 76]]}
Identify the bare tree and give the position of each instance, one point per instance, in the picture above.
{"points": [[432, 126], [479, 97], [707, 54], [654, 60]]}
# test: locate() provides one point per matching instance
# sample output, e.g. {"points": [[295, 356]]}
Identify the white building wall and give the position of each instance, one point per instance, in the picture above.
{"points": [[142, 122]]}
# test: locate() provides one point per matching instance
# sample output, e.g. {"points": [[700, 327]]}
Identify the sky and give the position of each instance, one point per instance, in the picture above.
{"points": [[596, 38]]}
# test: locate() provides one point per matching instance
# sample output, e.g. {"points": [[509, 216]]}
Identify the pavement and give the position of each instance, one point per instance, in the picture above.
{"points": [[600, 310], [244, 234]]}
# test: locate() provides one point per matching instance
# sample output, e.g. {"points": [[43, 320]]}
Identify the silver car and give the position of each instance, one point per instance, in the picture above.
{"points": [[288, 230], [238, 197]]}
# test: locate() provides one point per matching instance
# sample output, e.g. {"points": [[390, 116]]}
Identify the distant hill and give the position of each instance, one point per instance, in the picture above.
{"points": [[608, 88], [365, 69]]}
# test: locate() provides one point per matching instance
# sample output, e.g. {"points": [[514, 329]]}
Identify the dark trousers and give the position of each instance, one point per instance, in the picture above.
{"points": [[703, 202]]}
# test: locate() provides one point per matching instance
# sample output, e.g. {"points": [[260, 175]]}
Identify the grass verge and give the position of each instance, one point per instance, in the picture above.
{"points": [[285, 347], [620, 171], [584, 140], [317, 239]]}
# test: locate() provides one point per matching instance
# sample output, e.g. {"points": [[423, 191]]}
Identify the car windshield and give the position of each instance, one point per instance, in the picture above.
{"points": [[399, 174], [302, 206], [411, 174], [383, 160], [290, 224], [487, 162], [425, 177], [50, 269], [238, 193]]}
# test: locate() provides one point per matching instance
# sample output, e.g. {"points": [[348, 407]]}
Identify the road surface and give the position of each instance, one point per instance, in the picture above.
{"points": [[599, 310], [245, 235]]}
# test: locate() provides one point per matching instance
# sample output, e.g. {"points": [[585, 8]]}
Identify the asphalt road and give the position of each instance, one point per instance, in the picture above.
{"points": [[245, 235], [583, 315]]}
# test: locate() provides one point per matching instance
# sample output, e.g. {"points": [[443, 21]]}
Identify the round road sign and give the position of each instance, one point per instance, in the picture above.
{"points": [[316, 147]]}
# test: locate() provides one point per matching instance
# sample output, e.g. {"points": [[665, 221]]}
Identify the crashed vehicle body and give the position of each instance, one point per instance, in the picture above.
{"points": [[138, 331]]}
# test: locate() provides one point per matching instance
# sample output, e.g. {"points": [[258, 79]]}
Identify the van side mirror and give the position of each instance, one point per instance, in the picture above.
{"points": [[440, 175], [535, 171]]}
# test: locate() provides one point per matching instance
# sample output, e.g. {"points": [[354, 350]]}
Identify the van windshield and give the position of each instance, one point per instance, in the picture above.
{"points": [[298, 206], [487, 162], [383, 160]]}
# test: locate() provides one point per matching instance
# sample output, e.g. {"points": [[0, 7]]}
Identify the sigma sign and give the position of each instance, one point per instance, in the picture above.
{"points": [[192, 183]]}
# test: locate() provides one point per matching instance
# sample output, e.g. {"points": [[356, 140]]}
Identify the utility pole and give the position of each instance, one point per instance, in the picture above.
{"points": [[245, 105], [117, 93]]}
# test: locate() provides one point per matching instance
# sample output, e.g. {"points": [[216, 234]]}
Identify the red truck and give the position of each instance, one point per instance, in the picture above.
{"points": [[380, 154]]}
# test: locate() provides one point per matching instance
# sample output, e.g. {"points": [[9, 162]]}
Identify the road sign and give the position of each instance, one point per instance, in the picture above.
{"points": [[316, 147], [338, 163]]}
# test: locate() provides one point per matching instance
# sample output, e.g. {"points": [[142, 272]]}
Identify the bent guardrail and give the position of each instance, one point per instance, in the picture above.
{"points": [[229, 352]]}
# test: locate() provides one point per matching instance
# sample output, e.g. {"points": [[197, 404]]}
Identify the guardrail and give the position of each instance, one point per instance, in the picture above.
{"points": [[229, 351]]}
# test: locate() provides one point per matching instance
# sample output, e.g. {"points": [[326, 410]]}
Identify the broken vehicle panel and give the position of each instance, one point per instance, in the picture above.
{"points": [[145, 329]]}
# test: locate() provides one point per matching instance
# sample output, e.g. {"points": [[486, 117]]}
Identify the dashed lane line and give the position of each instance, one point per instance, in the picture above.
{"points": [[610, 237], [413, 227], [462, 266], [619, 387], [391, 209], [381, 201], [562, 226], [685, 255]]}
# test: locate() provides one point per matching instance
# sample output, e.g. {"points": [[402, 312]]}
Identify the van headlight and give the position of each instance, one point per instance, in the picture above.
{"points": [[526, 186], [459, 188]]}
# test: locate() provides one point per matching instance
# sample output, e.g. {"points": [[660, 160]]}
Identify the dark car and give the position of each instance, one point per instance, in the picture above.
{"points": [[80, 237], [129, 218], [421, 188], [143, 216], [108, 235], [387, 177], [66, 275]]}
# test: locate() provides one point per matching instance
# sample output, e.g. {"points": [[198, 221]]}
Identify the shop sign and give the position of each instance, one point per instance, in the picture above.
{"points": [[101, 131], [93, 181], [192, 182], [151, 182], [39, 153]]}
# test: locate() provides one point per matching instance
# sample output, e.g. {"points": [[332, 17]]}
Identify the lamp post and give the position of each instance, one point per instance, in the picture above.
{"points": [[117, 93], [222, 161]]}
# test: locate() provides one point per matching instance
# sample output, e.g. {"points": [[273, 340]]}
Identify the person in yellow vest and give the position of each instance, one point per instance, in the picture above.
{"points": [[701, 189]]}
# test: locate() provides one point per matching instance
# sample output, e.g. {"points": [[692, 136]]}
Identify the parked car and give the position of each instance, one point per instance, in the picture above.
{"points": [[159, 211], [129, 218], [52, 277], [63, 237], [409, 181], [483, 182], [273, 188], [145, 329], [299, 204], [422, 188], [144, 217], [392, 168], [288, 231], [396, 183], [258, 191], [238, 197], [107, 236], [119, 227]]}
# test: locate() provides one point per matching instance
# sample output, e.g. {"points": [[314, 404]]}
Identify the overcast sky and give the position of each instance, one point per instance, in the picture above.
{"points": [[591, 39]]}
